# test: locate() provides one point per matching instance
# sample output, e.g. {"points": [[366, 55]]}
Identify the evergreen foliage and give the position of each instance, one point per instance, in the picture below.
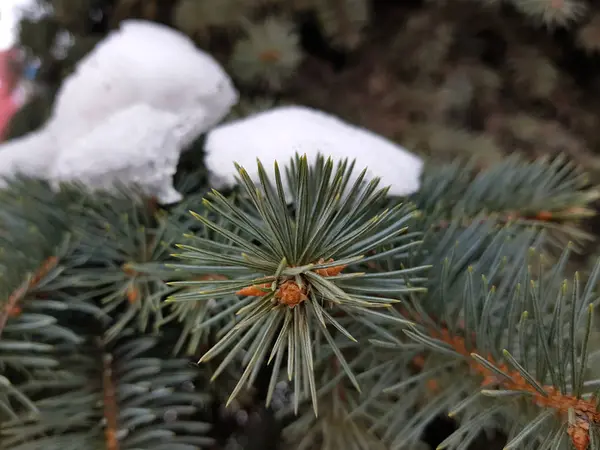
{"points": [[379, 314], [357, 318]]}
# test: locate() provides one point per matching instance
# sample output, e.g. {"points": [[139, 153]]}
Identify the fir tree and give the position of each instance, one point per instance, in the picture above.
{"points": [[381, 313], [358, 318]]}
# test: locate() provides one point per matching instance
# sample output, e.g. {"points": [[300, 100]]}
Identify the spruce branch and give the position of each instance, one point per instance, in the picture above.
{"points": [[118, 397], [11, 308], [34, 336], [552, 14], [426, 389], [343, 21], [33, 224], [289, 267], [269, 52], [113, 234], [199, 320], [553, 195], [343, 421], [521, 335], [333, 429], [111, 409]]}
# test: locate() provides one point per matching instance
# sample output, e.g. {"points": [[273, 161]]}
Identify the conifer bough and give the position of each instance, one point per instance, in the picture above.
{"points": [[300, 265], [495, 341]]}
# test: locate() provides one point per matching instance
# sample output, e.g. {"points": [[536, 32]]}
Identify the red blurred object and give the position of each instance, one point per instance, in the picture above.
{"points": [[9, 80]]}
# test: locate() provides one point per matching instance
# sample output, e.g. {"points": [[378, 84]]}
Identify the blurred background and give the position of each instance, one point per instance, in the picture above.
{"points": [[445, 78]]}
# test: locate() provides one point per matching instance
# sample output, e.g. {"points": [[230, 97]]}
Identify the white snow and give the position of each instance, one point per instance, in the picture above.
{"points": [[135, 146], [31, 155], [280, 133], [143, 62], [144, 93], [10, 13], [144, 83]]}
